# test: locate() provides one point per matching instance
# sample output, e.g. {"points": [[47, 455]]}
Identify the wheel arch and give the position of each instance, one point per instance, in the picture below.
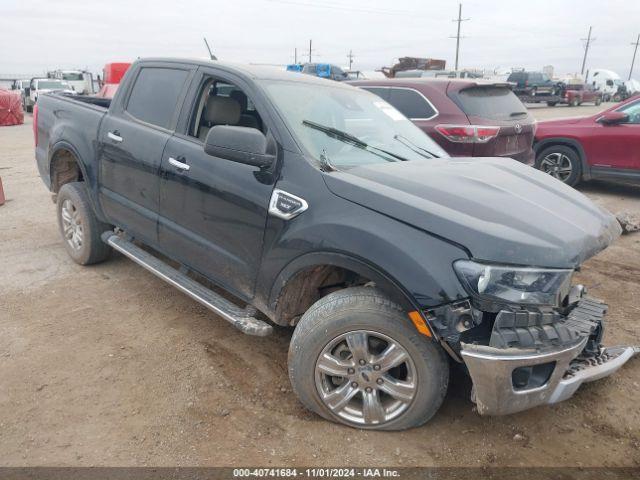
{"points": [[303, 275], [58, 151], [567, 142]]}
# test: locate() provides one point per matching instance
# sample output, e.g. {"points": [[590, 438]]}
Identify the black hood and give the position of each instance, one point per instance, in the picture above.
{"points": [[500, 210]]}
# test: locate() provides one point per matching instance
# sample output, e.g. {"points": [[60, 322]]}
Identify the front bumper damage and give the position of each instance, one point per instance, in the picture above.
{"points": [[562, 356]]}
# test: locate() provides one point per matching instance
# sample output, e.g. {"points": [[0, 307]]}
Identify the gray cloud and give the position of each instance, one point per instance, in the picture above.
{"points": [[44, 34]]}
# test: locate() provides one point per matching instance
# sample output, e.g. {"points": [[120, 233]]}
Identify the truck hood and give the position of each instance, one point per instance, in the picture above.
{"points": [[498, 209]]}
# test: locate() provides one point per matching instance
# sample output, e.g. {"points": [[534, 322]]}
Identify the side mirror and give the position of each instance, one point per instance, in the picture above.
{"points": [[238, 144], [613, 118]]}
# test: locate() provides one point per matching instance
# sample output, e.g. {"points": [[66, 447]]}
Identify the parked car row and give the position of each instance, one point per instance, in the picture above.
{"points": [[479, 118], [31, 89]]}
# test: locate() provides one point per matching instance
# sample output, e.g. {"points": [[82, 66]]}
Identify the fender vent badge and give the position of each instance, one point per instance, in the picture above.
{"points": [[285, 205]]}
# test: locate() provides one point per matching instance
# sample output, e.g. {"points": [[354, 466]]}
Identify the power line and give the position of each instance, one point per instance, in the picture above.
{"points": [[588, 41], [457, 37], [635, 50]]}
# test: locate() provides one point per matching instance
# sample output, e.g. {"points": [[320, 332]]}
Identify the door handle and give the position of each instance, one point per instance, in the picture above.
{"points": [[115, 136], [178, 163]]}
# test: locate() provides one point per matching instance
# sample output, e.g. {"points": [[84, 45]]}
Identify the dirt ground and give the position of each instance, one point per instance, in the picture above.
{"points": [[108, 365]]}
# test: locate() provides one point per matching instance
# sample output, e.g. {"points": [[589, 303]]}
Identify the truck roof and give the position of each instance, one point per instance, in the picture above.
{"points": [[259, 72]]}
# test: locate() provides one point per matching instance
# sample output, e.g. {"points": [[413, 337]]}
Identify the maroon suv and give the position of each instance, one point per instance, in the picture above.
{"points": [[466, 117]]}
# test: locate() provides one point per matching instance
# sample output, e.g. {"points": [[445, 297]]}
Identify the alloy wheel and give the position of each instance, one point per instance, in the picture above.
{"points": [[557, 165], [365, 378], [72, 225]]}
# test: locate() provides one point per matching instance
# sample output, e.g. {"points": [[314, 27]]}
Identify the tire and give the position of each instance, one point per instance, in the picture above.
{"points": [[365, 313], [533, 92], [598, 101], [552, 104], [83, 229], [560, 156], [575, 103]]}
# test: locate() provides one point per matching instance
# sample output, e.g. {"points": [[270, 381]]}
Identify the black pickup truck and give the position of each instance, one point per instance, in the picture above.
{"points": [[276, 198]]}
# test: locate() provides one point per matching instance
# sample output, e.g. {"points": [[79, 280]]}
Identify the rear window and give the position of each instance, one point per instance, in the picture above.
{"points": [[495, 103], [411, 103], [155, 95]]}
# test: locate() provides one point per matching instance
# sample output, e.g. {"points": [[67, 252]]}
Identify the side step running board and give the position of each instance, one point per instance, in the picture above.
{"points": [[240, 318]]}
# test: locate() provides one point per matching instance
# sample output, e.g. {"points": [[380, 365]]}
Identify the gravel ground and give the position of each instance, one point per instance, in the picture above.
{"points": [[108, 365]]}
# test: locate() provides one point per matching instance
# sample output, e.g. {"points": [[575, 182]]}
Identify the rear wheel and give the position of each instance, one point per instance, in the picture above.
{"points": [[560, 162], [355, 359], [79, 226], [598, 101], [552, 104]]}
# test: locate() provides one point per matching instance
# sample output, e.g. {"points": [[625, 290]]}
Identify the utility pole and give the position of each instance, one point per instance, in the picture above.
{"points": [[588, 41], [350, 57], [310, 50], [457, 37], [635, 50], [295, 55]]}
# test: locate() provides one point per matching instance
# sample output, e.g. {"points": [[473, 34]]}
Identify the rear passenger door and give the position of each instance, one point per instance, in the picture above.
{"points": [[132, 140]]}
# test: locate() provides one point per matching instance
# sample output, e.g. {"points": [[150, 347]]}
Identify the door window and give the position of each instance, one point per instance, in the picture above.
{"points": [[155, 95], [222, 103], [411, 103], [633, 110]]}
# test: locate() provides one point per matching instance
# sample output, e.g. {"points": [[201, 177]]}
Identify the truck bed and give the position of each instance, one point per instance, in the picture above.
{"points": [[91, 100], [79, 117]]}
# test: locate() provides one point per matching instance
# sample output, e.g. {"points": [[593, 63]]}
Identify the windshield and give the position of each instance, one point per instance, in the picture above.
{"points": [[311, 110], [52, 85]]}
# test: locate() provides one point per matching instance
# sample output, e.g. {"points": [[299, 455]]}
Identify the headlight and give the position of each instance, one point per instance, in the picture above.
{"points": [[538, 286]]}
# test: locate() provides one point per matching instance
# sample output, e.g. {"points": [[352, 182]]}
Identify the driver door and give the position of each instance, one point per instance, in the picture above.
{"points": [[213, 211]]}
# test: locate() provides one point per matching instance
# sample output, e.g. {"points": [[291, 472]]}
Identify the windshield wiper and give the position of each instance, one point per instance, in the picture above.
{"points": [[415, 148], [352, 140]]}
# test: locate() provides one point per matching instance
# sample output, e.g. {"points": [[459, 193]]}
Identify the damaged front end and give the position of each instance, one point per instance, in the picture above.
{"points": [[521, 355]]}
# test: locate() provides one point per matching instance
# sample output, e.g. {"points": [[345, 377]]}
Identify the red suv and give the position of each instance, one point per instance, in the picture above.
{"points": [[606, 145], [468, 118]]}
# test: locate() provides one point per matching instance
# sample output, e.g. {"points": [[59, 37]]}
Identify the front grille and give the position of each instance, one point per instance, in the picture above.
{"points": [[528, 328]]}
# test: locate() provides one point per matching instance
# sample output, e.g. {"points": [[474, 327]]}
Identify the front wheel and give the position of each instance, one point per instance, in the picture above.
{"points": [[356, 359], [598, 101], [560, 162]]}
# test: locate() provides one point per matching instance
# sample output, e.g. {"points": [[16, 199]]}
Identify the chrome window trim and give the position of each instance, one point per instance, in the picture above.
{"points": [[385, 87]]}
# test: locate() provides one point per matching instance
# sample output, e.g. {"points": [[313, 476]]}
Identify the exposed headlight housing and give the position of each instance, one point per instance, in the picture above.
{"points": [[524, 285]]}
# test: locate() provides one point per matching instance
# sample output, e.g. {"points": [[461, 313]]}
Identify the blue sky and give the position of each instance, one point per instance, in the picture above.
{"points": [[42, 34]]}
